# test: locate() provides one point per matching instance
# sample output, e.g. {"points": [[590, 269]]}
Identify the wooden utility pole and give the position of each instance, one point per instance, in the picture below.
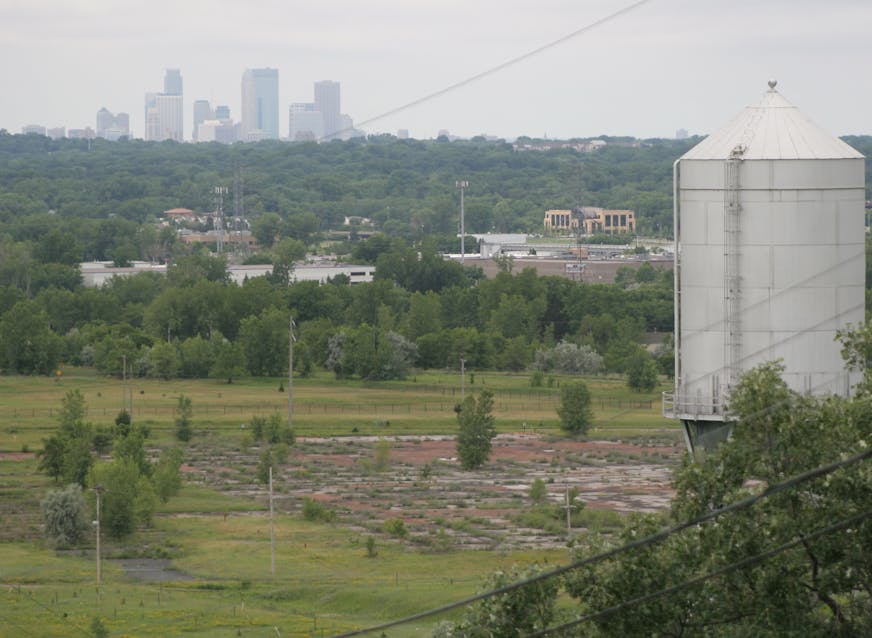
{"points": [[462, 379], [131, 394], [123, 382], [272, 529]]}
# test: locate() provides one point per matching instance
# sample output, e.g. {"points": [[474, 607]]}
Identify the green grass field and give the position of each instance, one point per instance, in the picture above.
{"points": [[322, 406], [324, 583]]}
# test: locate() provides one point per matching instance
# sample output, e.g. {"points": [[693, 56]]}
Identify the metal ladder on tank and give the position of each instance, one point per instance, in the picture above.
{"points": [[732, 279]]}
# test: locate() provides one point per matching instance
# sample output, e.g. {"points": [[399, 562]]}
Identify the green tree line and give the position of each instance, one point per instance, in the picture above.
{"points": [[420, 311]]}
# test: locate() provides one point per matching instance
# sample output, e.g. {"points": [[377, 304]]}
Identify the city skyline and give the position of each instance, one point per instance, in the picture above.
{"points": [[659, 66]]}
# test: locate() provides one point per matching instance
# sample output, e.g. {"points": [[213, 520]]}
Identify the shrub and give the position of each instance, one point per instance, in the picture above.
{"points": [[316, 511], [395, 527], [65, 516], [371, 551], [98, 629], [276, 431], [568, 358], [258, 424], [538, 492], [184, 411]]}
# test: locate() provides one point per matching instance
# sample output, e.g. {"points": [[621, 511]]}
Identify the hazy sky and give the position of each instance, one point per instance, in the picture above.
{"points": [[665, 65]]}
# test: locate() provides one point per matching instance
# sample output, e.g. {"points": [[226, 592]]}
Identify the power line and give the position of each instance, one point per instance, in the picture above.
{"points": [[642, 542], [745, 562], [63, 617], [499, 67]]}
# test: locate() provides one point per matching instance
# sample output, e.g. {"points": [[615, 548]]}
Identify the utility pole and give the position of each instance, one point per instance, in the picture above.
{"points": [[568, 507], [98, 489], [130, 395], [291, 340], [272, 529], [462, 184], [462, 380], [123, 382]]}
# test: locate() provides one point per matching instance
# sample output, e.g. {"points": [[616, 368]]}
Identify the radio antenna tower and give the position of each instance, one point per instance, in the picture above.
{"points": [[220, 192], [238, 192]]}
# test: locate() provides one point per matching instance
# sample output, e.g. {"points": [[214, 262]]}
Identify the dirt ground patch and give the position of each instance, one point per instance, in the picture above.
{"points": [[150, 570], [17, 456], [423, 485]]}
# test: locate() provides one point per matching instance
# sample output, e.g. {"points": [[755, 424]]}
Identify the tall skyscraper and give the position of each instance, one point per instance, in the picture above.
{"points": [[305, 122], [202, 112], [112, 127], [327, 102], [260, 104], [105, 121], [163, 111], [150, 115], [173, 82], [169, 113]]}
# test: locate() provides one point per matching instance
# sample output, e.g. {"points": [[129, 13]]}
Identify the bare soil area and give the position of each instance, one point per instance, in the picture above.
{"points": [[423, 485], [150, 570]]}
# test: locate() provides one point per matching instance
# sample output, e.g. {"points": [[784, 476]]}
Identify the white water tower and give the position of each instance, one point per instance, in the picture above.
{"points": [[769, 261]]}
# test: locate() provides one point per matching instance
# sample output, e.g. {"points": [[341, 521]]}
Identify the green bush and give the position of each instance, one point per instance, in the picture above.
{"points": [[316, 511], [258, 424], [65, 516], [371, 551], [184, 411], [395, 527], [276, 431]]}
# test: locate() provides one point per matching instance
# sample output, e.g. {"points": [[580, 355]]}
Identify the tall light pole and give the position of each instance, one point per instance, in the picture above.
{"points": [[124, 382], [99, 489], [272, 528], [462, 380], [291, 340], [462, 185]]}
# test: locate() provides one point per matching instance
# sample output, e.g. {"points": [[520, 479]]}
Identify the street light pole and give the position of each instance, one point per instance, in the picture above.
{"points": [[291, 340], [99, 489], [462, 185], [272, 528]]}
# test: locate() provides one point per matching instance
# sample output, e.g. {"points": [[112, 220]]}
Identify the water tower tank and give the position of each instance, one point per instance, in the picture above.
{"points": [[770, 260]]}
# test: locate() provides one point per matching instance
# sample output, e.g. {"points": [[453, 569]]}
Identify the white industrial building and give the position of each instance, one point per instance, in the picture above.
{"points": [[770, 261], [97, 273]]}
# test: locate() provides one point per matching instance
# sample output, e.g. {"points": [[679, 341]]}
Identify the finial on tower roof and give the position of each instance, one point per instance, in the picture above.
{"points": [[772, 84]]}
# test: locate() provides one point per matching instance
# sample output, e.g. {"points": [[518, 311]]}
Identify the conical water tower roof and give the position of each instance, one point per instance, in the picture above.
{"points": [[772, 130]]}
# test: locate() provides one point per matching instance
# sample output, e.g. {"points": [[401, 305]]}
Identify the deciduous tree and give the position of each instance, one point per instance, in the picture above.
{"points": [[574, 411], [477, 430]]}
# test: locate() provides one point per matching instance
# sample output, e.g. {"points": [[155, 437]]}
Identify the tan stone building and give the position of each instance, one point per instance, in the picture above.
{"points": [[591, 220]]}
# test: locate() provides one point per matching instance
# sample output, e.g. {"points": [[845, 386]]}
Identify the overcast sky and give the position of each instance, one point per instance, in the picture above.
{"points": [[665, 65]]}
